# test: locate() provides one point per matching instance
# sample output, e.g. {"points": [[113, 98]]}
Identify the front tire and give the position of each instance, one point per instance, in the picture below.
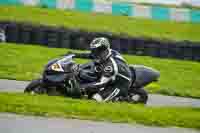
{"points": [[141, 96], [35, 87]]}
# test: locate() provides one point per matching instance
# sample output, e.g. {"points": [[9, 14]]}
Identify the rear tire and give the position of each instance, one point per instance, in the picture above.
{"points": [[35, 87], [143, 96]]}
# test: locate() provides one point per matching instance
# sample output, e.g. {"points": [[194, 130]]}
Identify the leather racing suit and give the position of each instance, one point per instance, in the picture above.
{"points": [[115, 77]]}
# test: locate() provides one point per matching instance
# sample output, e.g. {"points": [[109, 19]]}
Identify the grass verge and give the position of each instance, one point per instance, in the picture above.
{"points": [[114, 112], [25, 62], [102, 22]]}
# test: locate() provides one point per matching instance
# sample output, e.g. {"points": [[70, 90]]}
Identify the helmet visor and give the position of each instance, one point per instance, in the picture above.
{"points": [[98, 52]]}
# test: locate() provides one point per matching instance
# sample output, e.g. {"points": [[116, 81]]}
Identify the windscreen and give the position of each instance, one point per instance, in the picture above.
{"points": [[66, 60]]}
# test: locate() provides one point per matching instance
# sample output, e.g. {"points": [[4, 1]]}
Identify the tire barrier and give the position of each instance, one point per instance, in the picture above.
{"points": [[77, 39], [12, 32], [52, 38], [24, 33], [64, 37], [39, 35]]}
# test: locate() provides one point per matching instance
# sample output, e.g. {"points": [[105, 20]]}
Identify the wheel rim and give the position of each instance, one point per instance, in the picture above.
{"points": [[32, 93], [35, 91], [135, 97]]}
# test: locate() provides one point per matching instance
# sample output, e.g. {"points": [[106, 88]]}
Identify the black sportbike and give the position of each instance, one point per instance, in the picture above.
{"points": [[63, 76]]}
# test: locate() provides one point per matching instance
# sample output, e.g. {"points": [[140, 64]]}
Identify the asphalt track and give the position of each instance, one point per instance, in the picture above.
{"points": [[154, 100], [10, 123]]}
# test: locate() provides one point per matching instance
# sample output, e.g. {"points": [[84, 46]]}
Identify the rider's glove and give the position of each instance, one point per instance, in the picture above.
{"points": [[76, 69]]}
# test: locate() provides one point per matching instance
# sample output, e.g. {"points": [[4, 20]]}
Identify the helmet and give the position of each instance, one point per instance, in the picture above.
{"points": [[100, 49]]}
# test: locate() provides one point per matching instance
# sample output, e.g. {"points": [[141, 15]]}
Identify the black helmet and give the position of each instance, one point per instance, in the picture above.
{"points": [[100, 48]]}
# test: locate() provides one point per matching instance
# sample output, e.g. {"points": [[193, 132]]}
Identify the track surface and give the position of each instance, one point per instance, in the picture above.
{"points": [[10, 123], [154, 100]]}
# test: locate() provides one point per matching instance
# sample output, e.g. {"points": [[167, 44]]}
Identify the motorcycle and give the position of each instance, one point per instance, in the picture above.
{"points": [[63, 76]]}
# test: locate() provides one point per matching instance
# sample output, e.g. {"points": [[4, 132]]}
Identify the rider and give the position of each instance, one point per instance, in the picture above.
{"points": [[115, 75], [114, 53]]}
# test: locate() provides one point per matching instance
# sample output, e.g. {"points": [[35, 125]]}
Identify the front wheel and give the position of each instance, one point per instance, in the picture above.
{"points": [[139, 96], [35, 87]]}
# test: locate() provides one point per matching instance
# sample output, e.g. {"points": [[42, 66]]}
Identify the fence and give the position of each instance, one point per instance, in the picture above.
{"points": [[116, 8], [75, 39]]}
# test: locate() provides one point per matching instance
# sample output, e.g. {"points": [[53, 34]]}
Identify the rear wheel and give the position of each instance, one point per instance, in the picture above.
{"points": [[35, 87], [139, 96]]}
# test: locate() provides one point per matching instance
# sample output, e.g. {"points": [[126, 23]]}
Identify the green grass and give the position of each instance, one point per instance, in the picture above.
{"points": [[114, 112], [25, 62], [102, 22]]}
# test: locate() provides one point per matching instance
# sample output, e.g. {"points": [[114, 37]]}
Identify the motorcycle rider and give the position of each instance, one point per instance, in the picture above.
{"points": [[115, 75]]}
